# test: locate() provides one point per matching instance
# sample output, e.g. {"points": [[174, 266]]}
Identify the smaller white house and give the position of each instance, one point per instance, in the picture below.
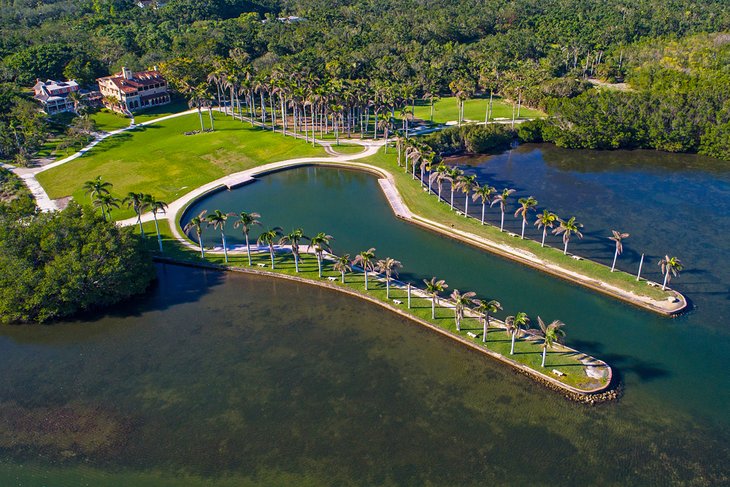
{"points": [[54, 95], [150, 3]]}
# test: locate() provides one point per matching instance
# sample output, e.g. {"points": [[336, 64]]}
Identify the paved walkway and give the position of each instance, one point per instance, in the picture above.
{"points": [[28, 174], [249, 175]]}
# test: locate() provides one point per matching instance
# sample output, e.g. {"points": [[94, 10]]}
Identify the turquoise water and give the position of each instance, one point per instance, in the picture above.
{"points": [[678, 362], [221, 379]]}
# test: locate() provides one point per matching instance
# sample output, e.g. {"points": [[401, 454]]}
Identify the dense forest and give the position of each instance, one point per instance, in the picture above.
{"points": [[673, 58]]}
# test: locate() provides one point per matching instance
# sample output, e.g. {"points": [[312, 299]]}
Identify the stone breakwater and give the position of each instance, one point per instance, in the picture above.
{"points": [[608, 393]]}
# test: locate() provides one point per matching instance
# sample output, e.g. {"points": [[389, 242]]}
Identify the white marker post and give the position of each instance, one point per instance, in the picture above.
{"points": [[641, 263], [409, 295]]}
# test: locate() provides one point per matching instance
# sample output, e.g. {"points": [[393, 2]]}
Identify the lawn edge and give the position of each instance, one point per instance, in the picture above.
{"points": [[605, 393]]}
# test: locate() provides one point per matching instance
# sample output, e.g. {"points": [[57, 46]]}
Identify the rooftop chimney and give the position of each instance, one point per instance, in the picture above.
{"points": [[126, 73]]}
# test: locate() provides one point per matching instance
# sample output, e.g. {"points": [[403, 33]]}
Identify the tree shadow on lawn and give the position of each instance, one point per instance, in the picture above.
{"points": [[109, 143]]}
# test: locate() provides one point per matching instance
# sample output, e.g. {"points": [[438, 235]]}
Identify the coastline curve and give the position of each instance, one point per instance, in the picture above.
{"points": [[608, 392]]}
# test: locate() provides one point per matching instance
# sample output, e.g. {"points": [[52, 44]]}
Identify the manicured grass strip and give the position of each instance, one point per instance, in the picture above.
{"points": [[161, 160], [527, 352], [447, 110], [428, 206], [348, 149], [107, 120]]}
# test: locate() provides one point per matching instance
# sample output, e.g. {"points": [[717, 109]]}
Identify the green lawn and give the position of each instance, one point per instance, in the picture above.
{"points": [[161, 160], [50, 149], [348, 149], [430, 208], [107, 120], [447, 109], [527, 352], [177, 105]]}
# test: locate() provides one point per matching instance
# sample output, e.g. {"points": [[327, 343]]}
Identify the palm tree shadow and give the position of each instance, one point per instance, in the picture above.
{"points": [[621, 363]]}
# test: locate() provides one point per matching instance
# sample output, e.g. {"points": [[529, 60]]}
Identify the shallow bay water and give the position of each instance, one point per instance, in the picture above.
{"points": [[224, 379], [219, 379]]}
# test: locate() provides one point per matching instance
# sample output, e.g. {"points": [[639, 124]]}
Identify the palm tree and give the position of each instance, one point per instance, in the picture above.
{"points": [[514, 324], [545, 220], [197, 98], [413, 153], [196, 223], [551, 334], [96, 187], [106, 202], [390, 268], [78, 102], [269, 237], [485, 193], [155, 206], [466, 185], [484, 308], [294, 238], [137, 202], [502, 200], [568, 228], [399, 144], [434, 287], [670, 265], [460, 302], [618, 238], [320, 243], [342, 265], [526, 204], [440, 175], [426, 164], [365, 260], [454, 178], [218, 221], [246, 221]]}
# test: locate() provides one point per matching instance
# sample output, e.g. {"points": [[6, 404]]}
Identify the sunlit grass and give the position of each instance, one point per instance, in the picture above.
{"points": [[161, 160], [447, 109], [430, 208], [527, 352]]}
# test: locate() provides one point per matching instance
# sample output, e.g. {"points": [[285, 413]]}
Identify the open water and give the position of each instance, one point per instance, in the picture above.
{"points": [[216, 379]]}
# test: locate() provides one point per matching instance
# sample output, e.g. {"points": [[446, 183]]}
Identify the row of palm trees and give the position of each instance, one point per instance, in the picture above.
{"points": [[294, 99], [366, 260], [418, 153], [101, 197]]}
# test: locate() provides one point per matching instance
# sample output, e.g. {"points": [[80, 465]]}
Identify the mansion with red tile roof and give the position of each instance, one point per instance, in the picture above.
{"points": [[129, 91]]}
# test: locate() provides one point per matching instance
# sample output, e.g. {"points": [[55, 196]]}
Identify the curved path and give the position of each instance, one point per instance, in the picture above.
{"points": [[387, 183], [247, 176], [28, 174], [673, 305]]}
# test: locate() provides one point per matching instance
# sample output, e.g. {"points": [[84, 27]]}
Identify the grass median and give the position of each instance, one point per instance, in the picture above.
{"points": [[428, 207]]}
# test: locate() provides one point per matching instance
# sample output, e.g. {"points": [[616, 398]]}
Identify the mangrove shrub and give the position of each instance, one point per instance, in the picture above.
{"points": [[57, 264]]}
